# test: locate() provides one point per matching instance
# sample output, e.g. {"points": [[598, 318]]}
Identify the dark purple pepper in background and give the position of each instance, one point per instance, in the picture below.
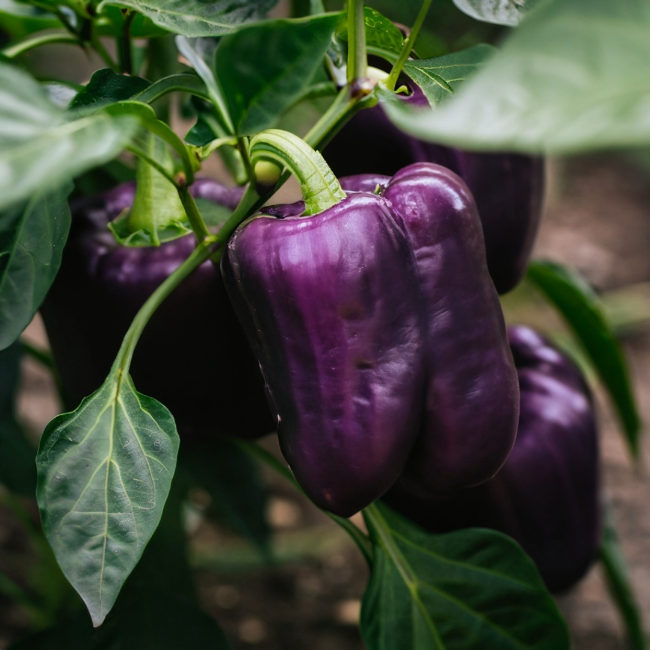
{"points": [[546, 495], [375, 322], [192, 357], [332, 311], [508, 188]]}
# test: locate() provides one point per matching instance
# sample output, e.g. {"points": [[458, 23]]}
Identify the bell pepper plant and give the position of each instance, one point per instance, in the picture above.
{"points": [[188, 316]]}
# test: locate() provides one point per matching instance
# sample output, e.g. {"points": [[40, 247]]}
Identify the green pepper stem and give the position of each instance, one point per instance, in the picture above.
{"points": [[357, 60], [199, 255], [409, 42], [358, 536]]}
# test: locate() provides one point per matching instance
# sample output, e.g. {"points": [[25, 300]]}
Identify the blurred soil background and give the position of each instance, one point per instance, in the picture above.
{"points": [[597, 220]]}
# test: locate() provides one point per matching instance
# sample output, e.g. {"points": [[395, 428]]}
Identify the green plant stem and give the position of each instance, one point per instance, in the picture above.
{"points": [[201, 231], [357, 60], [407, 46], [248, 204], [242, 147], [36, 41], [358, 536], [348, 102], [124, 45], [199, 255]]}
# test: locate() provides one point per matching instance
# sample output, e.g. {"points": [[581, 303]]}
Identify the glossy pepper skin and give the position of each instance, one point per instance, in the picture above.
{"points": [[508, 188], [546, 495], [377, 328], [337, 333], [472, 396], [192, 356]]}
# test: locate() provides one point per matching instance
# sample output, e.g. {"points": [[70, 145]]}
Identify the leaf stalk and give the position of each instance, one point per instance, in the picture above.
{"points": [[407, 46]]}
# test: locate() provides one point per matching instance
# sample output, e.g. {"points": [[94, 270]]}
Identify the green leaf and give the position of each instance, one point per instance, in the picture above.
{"points": [[263, 69], [232, 479], [200, 134], [619, 584], [17, 469], [573, 77], [104, 473], [107, 87], [584, 313], [464, 590], [441, 77], [197, 17], [501, 12], [32, 237], [39, 149], [156, 610], [200, 53], [380, 31]]}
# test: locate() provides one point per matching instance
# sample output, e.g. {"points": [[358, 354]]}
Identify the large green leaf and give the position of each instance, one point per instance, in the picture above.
{"points": [[573, 77], [156, 610], [583, 311], [263, 69], [232, 479], [39, 149], [17, 470], [104, 473], [32, 237], [464, 590], [441, 77], [197, 17]]}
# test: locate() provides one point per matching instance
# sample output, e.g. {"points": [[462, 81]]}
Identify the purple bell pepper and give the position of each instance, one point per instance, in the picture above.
{"points": [[546, 495], [192, 357], [377, 328], [508, 188]]}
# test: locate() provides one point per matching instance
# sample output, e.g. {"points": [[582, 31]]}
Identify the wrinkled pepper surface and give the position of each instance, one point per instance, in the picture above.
{"points": [[508, 188], [380, 336], [193, 356], [546, 495]]}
